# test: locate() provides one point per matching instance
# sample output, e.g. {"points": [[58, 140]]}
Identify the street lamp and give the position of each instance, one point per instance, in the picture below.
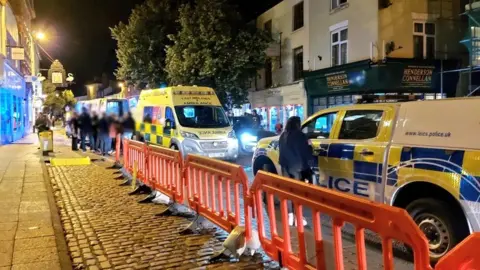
{"points": [[40, 35]]}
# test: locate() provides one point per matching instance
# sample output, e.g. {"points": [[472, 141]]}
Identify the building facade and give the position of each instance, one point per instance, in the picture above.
{"points": [[380, 47], [279, 92], [330, 52], [19, 59]]}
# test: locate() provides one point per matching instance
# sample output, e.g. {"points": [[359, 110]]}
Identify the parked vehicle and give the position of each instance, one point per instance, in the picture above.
{"points": [[190, 119], [423, 156]]}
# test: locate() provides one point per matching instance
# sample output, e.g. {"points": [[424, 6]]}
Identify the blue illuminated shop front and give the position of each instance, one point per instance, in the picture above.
{"points": [[13, 101]]}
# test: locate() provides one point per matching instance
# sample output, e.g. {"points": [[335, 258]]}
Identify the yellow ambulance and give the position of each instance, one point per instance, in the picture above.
{"points": [[190, 119], [423, 156]]}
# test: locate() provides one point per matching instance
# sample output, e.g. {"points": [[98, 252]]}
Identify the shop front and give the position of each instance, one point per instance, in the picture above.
{"points": [[345, 84], [276, 105], [14, 118]]}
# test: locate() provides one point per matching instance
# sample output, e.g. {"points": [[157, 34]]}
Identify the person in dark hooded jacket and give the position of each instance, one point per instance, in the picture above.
{"points": [[295, 155]]}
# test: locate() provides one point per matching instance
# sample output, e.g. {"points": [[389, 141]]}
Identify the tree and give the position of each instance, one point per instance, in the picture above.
{"points": [[215, 48], [56, 101], [141, 42]]}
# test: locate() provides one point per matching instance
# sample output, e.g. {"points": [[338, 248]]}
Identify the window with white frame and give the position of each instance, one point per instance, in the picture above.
{"points": [[424, 40], [339, 47], [297, 63], [338, 3], [298, 16]]}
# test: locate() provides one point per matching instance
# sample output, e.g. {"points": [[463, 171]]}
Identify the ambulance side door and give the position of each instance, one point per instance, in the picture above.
{"points": [[320, 130]]}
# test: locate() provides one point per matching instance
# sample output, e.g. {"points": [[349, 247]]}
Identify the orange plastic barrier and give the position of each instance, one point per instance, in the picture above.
{"points": [[464, 256], [207, 184], [210, 194], [118, 143], [166, 172], [126, 160], [389, 222], [136, 152]]}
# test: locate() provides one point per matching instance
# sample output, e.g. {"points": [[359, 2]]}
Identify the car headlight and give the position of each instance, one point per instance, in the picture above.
{"points": [[247, 137], [188, 135], [232, 135]]}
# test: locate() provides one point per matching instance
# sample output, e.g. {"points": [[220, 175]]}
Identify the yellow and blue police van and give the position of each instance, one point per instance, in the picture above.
{"points": [[423, 156], [190, 119]]}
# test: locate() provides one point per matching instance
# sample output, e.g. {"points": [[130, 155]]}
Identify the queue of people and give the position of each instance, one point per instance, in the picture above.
{"points": [[100, 130]]}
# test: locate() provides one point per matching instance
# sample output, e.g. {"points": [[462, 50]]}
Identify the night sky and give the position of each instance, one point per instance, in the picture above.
{"points": [[79, 36]]}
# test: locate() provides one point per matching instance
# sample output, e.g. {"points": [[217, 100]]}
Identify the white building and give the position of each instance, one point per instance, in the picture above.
{"points": [[329, 52], [279, 91]]}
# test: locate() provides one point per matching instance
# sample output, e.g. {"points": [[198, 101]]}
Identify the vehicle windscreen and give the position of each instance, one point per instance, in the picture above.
{"points": [[202, 116]]}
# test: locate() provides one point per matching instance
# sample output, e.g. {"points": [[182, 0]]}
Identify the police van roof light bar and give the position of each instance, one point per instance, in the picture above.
{"points": [[388, 98]]}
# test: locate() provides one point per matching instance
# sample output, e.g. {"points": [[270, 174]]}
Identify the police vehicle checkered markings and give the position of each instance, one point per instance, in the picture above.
{"points": [[186, 118], [423, 156]]}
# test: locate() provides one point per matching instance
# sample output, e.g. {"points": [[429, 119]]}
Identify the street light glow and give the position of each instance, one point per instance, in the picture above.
{"points": [[40, 36], [121, 85]]}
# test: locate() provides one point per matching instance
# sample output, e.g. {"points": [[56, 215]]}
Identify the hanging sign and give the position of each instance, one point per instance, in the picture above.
{"points": [[18, 53]]}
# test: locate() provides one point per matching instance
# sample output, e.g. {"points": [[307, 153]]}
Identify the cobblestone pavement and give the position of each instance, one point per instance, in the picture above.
{"points": [[100, 208], [29, 236], [107, 229]]}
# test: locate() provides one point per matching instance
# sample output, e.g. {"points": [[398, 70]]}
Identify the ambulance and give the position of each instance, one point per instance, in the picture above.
{"points": [[423, 156], [190, 119]]}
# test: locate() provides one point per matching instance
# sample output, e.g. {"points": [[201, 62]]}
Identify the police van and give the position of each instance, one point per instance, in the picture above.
{"points": [[190, 119], [423, 156]]}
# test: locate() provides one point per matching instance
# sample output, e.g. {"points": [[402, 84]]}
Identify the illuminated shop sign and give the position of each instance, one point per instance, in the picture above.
{"points": [[12, 79]]}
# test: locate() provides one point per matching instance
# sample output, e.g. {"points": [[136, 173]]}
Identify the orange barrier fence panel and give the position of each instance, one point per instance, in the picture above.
{"points": [[464, 256], [209, 189], [166, 172], [388, 222], [118, 143], [137, 152], [126, 163]]}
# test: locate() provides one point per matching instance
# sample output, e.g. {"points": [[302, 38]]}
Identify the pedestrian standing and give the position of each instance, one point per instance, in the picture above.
{"points": [[128, 125], [114, 129], [74, 127], [257, 119], [86, 129], [295, 155], [105, 142], [94, 144]]}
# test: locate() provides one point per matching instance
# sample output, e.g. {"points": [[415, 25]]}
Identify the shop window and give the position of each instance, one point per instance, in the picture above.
{"points": [[424, 40], [268, 73], [297, 63], [360, 125], [339, 47], [320, 127], [298, 15], [338, 3]]}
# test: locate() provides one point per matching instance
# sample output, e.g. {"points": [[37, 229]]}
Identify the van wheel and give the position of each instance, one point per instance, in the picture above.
{"points": [[442, 225], [174, 147]]}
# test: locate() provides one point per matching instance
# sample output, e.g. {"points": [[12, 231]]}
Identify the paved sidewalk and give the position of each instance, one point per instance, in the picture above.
{"points": [[27, 218]]}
